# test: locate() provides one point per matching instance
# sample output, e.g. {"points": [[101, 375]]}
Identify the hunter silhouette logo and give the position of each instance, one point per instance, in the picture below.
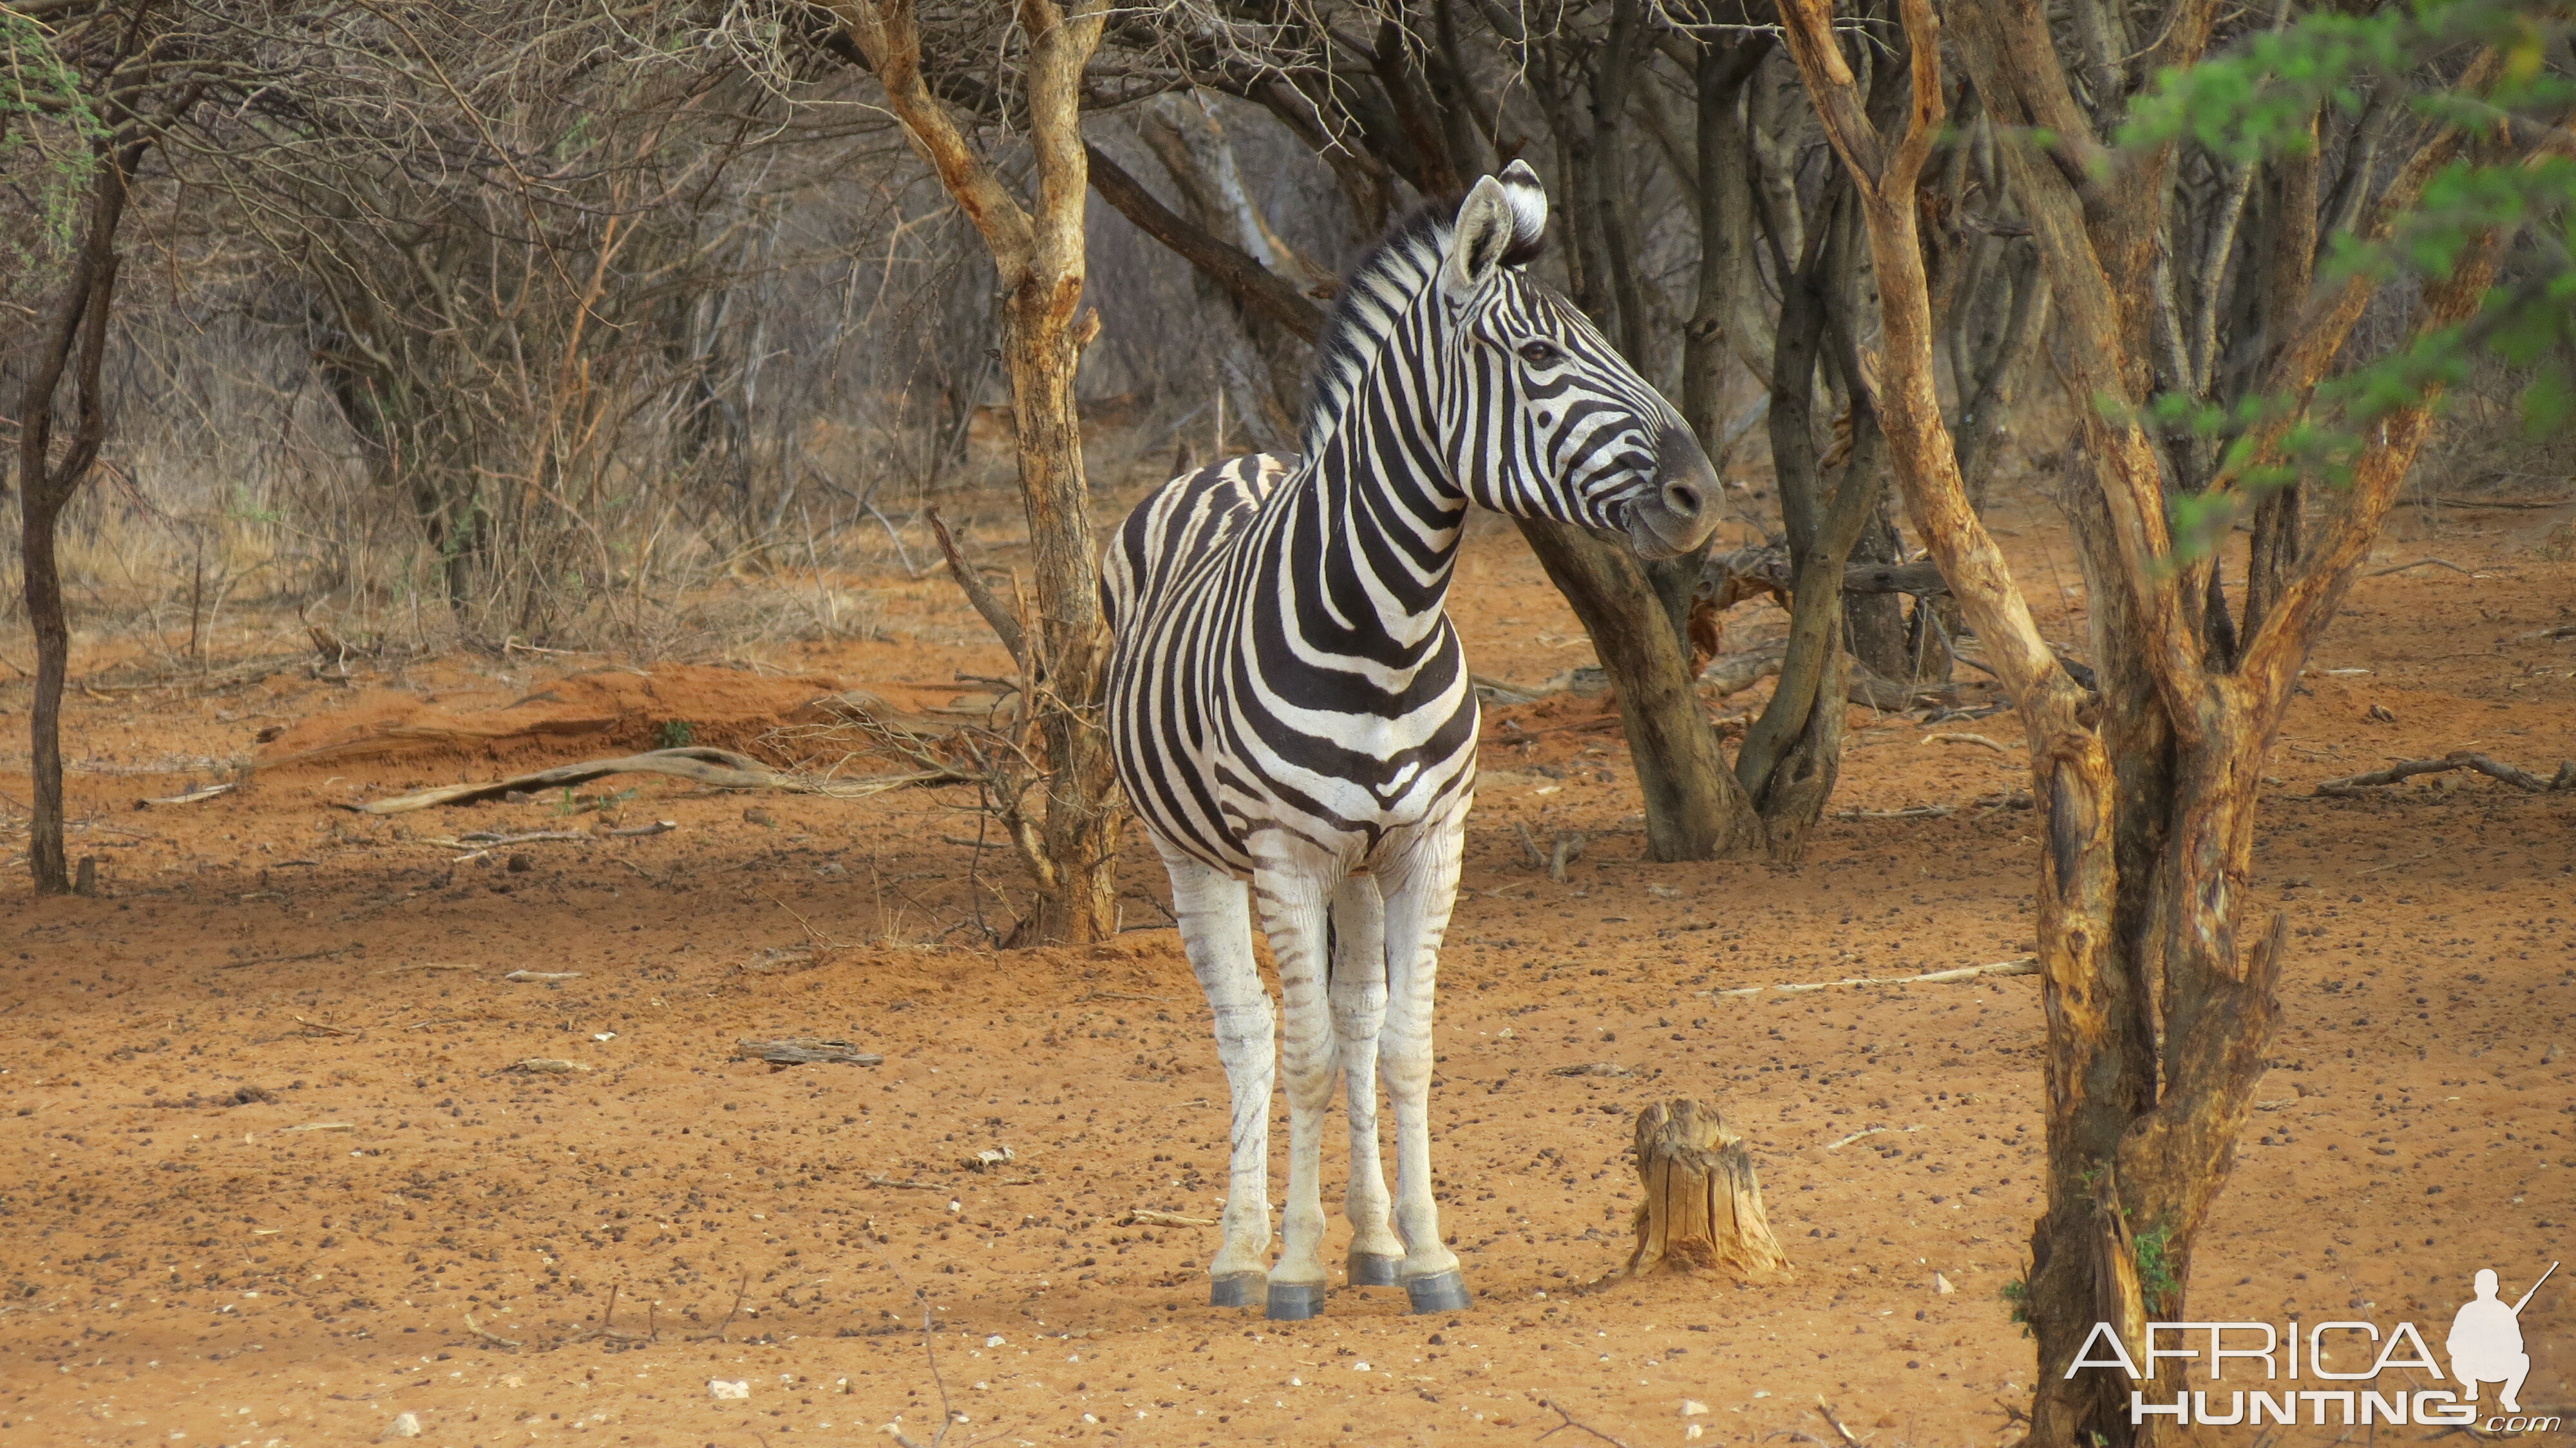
{"points": [[2486, 1341], [2485, 1345]]}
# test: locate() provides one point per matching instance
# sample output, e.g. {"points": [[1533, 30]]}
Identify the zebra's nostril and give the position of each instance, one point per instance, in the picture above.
{"points": [[1682, 498]]}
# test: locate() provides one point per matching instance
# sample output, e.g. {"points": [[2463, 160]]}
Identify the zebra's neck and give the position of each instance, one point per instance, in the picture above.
{"points": [[1367, 532], [1367, 529]]}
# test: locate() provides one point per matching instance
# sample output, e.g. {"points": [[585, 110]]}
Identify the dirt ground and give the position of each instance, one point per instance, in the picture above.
{"points": [[271, 1180]]}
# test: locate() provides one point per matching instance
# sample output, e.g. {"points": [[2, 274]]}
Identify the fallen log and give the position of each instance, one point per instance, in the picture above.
{"points": [[718, 768]]}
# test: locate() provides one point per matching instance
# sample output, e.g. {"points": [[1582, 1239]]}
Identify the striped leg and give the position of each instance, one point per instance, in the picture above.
{"points": [[1216, 930], [1358, 992], [1420, 887], [1293, 911]]}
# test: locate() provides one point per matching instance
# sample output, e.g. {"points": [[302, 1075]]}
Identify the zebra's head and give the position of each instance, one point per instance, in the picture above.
{"points": [[1550, 421]]}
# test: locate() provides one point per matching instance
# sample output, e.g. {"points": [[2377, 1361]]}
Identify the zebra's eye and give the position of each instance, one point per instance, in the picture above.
{"points": [[1540, 354]]}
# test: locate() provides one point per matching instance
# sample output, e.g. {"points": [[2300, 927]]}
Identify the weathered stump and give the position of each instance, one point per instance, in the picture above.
{"points": [[1703, 1205]]}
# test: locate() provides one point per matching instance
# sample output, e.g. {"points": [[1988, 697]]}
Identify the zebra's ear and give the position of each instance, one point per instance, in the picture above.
{"points": [[1478, 242], [1529, 212]]}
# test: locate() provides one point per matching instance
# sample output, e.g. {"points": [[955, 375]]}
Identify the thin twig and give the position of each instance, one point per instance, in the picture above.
{"points": [[2418, 563], [882, 1180], [1825, 1410], [1005, 624], [1966, 739], [488, 1335], [1575, 1423], [818, 937], [284, 959], [739, 1290], [2026, 965]]}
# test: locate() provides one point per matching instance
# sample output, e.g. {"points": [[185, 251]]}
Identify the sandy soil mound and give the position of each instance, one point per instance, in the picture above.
{"points": [[624, 709]]}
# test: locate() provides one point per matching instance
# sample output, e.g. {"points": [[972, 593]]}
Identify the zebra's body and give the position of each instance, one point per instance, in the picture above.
{"points": [[1290, 706]]}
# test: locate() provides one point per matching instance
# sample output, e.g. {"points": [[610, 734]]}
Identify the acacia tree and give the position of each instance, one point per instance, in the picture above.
{"points": [[97, 79], [2160, 995], [1037, 246]]}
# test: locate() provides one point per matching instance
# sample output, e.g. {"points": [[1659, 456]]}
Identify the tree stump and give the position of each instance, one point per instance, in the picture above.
{"points": [[1703, 1205]]}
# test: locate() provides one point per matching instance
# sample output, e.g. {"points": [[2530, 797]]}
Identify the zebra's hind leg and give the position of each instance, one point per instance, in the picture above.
{"points": [[1358, 992], [1292, 895], [1420, 886], [1216, 929]]}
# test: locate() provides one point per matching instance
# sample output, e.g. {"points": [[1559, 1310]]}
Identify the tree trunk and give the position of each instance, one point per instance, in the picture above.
{"points": [[1791, 755], [1726, 271], [46, 861], [1078, 888], [1613, 205], [1037, 247], [74, 341], [1695, 809], [2141, 1130]]}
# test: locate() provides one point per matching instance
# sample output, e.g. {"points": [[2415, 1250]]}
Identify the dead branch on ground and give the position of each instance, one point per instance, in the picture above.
{"points": [[806, 1051], [2026, 965], [2406, 769], [716, 768], [1575, 1423]]}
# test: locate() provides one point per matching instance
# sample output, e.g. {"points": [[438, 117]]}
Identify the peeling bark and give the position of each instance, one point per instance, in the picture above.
{"points": [[1037, 247], [2143, 862]]}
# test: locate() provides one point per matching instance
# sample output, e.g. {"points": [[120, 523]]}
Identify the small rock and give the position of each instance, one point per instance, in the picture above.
{"points": [[1941, 1285], [404, 1425], [1693, 1408], [722, 1391], [521, 864], [2550, 1056], [761, 817]]}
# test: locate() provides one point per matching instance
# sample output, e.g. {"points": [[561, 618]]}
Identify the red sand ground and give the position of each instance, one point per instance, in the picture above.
{"points": [[301, 1266]]}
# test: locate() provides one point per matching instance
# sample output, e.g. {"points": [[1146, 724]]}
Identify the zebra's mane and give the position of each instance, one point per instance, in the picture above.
{"points": [[1373, 296]]}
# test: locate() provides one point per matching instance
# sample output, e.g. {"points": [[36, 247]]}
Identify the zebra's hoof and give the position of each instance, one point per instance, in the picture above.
{"points": [[1235, 1289], [1295, 1301], [1439, 1292], [1370, 1270]]}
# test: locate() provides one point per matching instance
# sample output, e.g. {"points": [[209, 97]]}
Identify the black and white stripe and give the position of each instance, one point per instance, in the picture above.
{"points": [[1289, 703]]}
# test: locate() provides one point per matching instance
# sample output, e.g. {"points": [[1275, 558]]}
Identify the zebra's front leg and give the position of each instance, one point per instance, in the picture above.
{"points": [[1358, 992], [1216, 929], [1293, 912], [1420, 889]]}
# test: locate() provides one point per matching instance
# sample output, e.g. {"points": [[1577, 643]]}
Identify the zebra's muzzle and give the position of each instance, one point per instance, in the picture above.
{"points": [[1680, 513]]}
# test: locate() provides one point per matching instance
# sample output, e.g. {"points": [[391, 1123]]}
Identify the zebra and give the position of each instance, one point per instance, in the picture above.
{"points": [[1291, 713]]}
